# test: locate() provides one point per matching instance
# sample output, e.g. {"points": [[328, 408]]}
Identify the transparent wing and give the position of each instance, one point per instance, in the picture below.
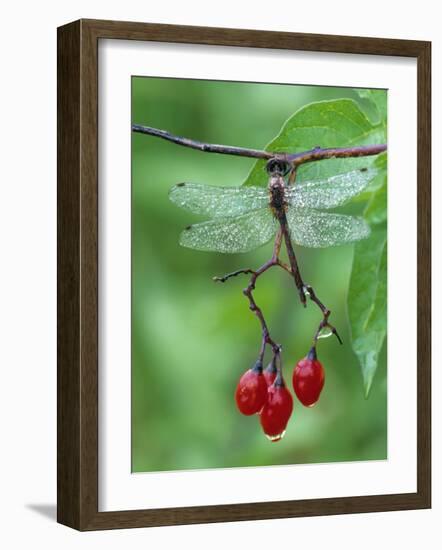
{"points": [[321, 229], [217, 202], [231, 235], [329, 192]]}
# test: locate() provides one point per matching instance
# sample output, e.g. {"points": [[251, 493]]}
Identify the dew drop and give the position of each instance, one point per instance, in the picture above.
{"points": [[275, 438], [326, 332]]}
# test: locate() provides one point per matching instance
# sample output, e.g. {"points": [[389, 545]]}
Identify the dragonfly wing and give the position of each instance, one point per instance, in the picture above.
{"points": [[329, 192], [231, 235], [217, 202], [321, 229]]}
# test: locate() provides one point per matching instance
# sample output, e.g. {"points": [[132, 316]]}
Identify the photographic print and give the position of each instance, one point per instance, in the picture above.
{"points": [[222, 275], [259, 274]]}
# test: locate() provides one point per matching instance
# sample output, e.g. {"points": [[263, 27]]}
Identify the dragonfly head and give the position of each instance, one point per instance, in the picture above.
{"points": [[278, 167]]}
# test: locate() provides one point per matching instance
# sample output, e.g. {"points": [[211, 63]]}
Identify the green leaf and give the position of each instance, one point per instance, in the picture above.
{"points": [[375, 194], [367, 296], [377, 104], [367, 302], [336, 123], [376, 211]]}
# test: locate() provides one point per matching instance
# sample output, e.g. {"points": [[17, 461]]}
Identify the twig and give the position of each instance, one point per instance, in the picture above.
{"points": [[224, 278], [206, 147], [295, 159], [248, 292], [336, 152], [325, 312]]}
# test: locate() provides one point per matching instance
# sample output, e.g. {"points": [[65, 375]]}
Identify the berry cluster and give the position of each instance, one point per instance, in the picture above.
{"points": [[264, 392]]}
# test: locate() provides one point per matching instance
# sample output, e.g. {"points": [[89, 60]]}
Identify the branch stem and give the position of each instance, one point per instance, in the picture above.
{"points": [[336, 152], [201, 146], [248, 292], [295, 159]]}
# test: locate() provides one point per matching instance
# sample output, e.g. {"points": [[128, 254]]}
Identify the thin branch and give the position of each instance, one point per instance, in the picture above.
{"points": [[296, 159], [227, 276], [205, 147], [336, 152], [325, 312], [248, 292]]}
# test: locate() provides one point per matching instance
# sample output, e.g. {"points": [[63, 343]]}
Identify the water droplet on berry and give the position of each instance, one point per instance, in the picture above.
{"points": [[275, 438], [276, 412]]}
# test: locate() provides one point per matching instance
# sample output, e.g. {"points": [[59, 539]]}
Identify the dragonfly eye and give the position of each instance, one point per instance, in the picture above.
{"points": [[278, 167]]}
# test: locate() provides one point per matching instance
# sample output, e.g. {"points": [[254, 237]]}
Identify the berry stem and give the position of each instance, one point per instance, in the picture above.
{"points": [[279, 379], [248, 292], [325, 312]]}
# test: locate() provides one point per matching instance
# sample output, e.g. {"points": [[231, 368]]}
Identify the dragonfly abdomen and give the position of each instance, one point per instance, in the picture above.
{"points": [[278, 203]]}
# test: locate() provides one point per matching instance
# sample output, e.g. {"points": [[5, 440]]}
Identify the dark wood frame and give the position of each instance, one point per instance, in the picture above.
{"points": [[77, 225]]}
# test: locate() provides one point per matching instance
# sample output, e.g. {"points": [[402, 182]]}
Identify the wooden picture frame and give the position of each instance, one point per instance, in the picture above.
{"points": [[78, 274]]}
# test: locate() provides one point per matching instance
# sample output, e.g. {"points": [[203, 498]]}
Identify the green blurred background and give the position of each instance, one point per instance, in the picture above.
{"points": [[191, 338]]}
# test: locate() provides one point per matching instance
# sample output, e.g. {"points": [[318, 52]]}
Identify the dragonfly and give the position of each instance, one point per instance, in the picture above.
{"points": [[244, 218]]}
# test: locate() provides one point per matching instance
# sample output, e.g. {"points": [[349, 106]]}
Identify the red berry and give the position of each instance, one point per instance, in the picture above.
{"points": [[251, 392], [270, 372], [277, 410], [308, 379]]}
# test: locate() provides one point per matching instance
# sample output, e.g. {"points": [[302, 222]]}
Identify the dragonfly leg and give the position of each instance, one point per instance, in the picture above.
{"points": [[294, 268], [277, 246], [284, 266], [292, 177]]}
